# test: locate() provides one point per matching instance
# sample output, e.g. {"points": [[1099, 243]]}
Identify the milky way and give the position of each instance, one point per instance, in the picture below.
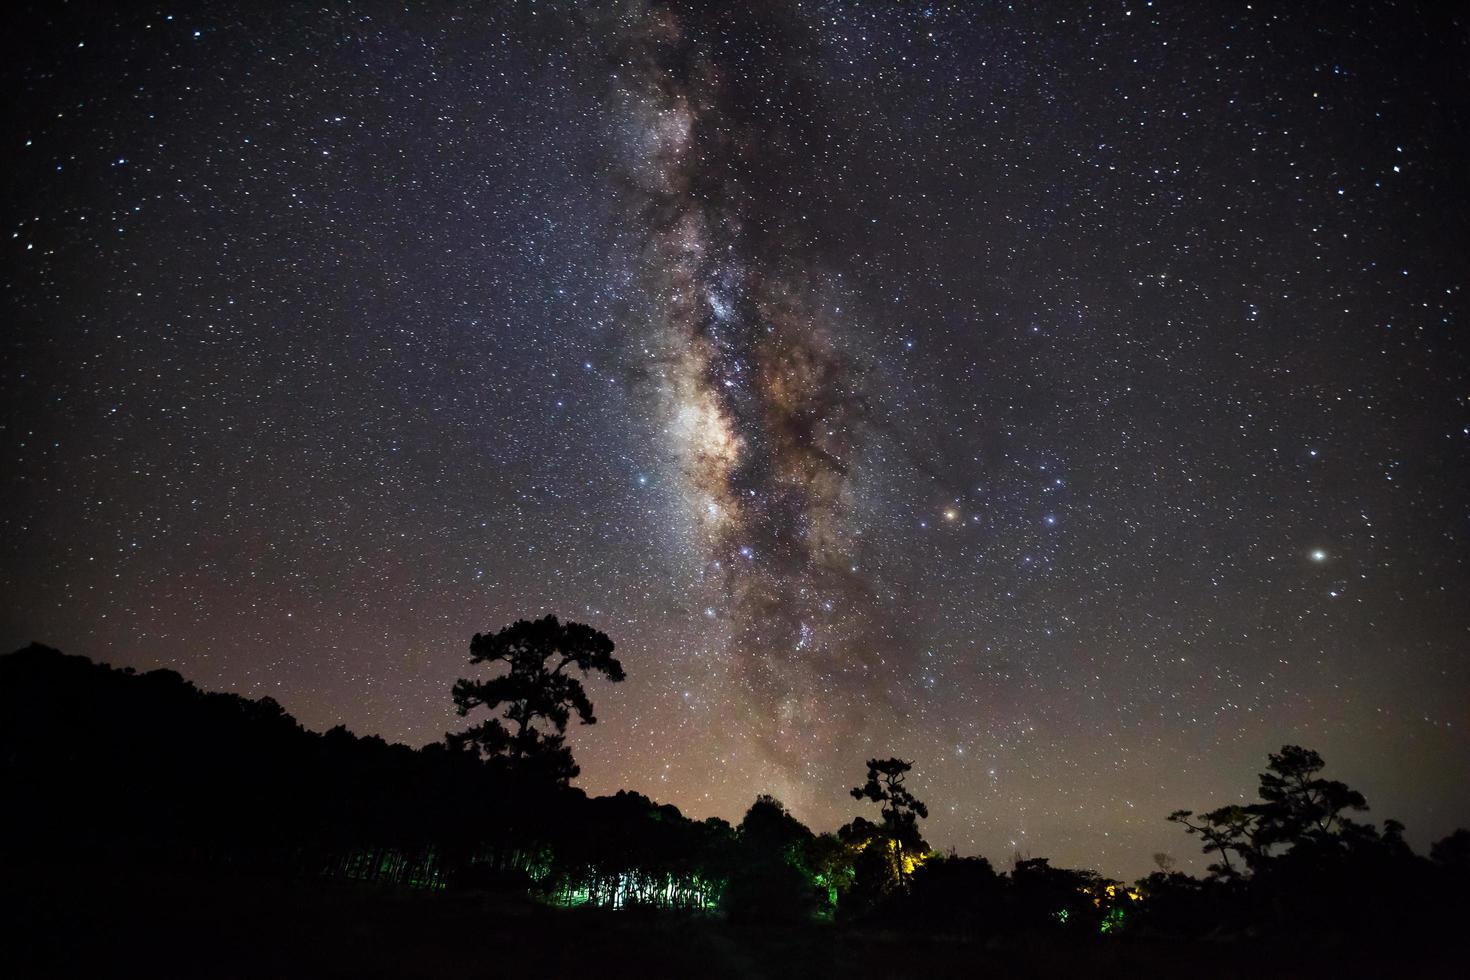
{"points": [[767, 408]]}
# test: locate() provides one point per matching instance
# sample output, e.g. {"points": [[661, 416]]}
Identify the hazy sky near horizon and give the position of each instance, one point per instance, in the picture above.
{"points": [[1072, 398]]}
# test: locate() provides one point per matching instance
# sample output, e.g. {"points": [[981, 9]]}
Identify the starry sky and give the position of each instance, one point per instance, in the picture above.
{"points": [[1072, 398]]}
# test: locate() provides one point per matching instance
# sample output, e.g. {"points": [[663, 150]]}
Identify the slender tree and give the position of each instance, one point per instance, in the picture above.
{"points": [[881, 870], [533, 697], [884, 786]]}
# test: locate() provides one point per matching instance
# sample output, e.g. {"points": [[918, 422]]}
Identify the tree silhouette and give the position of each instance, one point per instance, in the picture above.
{"points": [[535, 696], [768, 827], [1299, 803], [1299, 811], [1453, 852], [886, 853], [1226, 829], [249, 787], [772, 881], [900, 808]]}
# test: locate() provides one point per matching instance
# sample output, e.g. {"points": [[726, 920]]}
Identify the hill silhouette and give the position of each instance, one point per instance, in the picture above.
{"points": [[137, 801]]}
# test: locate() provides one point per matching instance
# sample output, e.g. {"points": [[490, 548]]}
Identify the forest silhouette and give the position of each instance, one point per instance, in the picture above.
{"points": [[110, 769]]}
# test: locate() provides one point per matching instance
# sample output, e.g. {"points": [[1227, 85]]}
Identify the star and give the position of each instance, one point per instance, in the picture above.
{"points": [[690, 325]]}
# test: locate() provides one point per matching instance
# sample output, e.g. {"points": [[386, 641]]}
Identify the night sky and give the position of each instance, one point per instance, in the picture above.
{"points": [[1072, 398]]}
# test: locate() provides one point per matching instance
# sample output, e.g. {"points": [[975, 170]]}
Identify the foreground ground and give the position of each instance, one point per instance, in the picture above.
{"points": [[91, 922]]}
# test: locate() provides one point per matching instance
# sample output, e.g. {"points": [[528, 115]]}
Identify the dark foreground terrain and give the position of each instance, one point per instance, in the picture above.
{"points": [[112, 922]]}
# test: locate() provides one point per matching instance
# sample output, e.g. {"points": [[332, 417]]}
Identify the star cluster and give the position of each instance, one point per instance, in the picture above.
{"points": [[1071, 398]]}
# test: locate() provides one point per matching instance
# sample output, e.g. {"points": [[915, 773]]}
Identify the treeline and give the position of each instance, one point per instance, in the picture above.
{"points": [[101, 764], [104, 766]]}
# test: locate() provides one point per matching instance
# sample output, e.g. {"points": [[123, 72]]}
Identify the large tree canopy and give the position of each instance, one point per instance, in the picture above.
{"points": [[1299, 810], [533, 698]]}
